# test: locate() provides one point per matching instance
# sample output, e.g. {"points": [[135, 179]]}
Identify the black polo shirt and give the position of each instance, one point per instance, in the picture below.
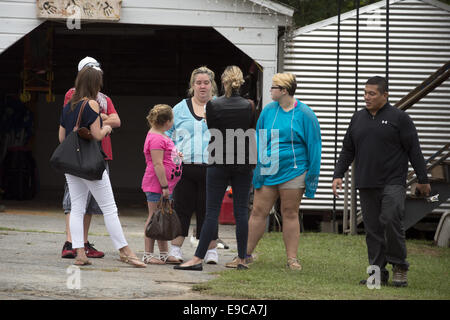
{"points": [[381, 146]]}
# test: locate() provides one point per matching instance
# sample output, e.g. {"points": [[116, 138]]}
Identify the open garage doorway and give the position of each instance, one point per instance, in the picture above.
{"points": [[143, 65]]}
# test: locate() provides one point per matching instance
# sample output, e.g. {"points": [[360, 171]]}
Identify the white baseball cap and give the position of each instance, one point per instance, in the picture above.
{"points": [[89, 61]]}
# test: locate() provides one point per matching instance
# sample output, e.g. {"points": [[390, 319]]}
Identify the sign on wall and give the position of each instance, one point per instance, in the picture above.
{"points": [[103, 10]]}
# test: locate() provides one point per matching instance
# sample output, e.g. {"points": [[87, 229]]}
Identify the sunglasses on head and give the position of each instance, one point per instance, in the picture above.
{"points": [[92, 64]]}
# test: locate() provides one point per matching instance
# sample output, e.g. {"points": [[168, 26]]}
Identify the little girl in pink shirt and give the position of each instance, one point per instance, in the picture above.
{"points": [[162, 173]]}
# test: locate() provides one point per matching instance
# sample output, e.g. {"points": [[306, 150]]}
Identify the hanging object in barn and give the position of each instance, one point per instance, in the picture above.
{"points": [[37, 72], [101, 10]]}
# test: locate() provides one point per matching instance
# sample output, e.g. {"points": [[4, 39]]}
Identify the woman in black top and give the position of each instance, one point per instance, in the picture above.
{"points": [[87, 85], [232, 153]]}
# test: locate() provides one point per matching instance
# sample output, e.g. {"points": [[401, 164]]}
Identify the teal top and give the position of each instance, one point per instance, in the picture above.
{"points": [[190, 134], [289, 143]]}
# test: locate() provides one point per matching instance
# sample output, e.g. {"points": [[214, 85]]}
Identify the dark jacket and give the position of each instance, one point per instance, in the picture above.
{"points": [[381, 146], [231, 118]]}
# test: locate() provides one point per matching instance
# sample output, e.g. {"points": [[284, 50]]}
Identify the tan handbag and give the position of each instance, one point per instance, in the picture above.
{"points": [[164, 224]]}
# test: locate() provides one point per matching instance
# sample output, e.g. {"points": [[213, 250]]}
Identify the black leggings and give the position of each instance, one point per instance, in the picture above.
{"points": [[189, 196], [218, 178]]}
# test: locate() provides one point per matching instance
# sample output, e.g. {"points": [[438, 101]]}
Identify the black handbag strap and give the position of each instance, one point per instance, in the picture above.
{"points": [[77, 125]]}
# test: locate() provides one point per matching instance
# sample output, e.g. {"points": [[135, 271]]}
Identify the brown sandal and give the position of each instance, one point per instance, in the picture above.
{"points": [[82, 262], [294, 264], [134, 261]]}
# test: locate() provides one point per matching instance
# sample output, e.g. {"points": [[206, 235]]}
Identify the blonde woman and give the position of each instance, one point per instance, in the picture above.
{"points": [[229, 162], [191, 136], [294, 166], [162, 173]]}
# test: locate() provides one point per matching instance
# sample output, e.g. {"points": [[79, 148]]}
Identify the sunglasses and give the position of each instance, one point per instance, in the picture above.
{"points": [[276, 87], [92, 64]]}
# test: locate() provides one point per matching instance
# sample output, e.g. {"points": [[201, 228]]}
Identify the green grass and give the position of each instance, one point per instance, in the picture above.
{"points": [[333, 265]]}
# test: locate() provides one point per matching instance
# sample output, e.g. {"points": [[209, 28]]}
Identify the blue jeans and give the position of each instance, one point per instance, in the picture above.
{"points": [[217, 180], [154, 197]]}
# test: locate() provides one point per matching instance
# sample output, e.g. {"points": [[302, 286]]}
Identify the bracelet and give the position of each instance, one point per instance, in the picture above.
{"points": [[164, 187]]}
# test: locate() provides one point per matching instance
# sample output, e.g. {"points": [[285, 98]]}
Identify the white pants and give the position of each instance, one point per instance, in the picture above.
{"points": [[102, 192]]}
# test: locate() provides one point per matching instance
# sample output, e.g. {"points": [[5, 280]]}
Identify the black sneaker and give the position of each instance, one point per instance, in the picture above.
{"points": [[399, 277]]}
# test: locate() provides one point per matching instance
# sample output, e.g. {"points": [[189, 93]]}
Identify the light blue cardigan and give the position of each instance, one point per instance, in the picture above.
{"points": [[191, 136]]}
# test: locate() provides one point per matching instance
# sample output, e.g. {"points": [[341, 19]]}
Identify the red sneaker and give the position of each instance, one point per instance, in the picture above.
{"points": [[68, 252], [91, 252]]}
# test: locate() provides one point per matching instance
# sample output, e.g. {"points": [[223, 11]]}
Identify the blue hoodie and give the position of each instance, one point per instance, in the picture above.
{"points": [[299, 146]]}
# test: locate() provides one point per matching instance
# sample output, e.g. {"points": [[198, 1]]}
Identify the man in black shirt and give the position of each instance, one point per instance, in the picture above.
{"points": [[381, 139]]}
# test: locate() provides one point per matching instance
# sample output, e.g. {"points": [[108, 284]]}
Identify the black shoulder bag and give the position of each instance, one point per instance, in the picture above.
{"points": [[79, 154]]}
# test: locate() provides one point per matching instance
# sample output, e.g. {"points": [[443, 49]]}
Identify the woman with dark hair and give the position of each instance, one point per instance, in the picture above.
{"points": [[230, 159], [109, 116], [87, 85]]}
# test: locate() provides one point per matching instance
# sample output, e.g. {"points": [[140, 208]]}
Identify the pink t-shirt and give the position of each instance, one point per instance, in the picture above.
{"points": [[171, 162]]}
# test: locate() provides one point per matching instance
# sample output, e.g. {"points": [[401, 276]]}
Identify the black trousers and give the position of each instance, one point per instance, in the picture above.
{"points": [[383, 212], [189, 196]]}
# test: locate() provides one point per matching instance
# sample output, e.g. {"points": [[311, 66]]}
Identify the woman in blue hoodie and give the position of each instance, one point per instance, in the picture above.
{"points": [[289, 151]]}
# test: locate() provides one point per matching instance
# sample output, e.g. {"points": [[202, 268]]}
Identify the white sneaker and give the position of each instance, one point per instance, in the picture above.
{"points": [[175, 252], [212, 257]]}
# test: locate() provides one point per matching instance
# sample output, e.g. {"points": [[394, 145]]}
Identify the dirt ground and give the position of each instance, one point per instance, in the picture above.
{"points": [[31, 267]]}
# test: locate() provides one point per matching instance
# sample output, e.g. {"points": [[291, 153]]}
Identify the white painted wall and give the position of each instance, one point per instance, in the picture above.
{"points": [[252, 28], [17, 18], [251, 25]]}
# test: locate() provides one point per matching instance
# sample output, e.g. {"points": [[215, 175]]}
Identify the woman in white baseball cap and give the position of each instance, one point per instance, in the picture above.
{"points": [[89, 62]]}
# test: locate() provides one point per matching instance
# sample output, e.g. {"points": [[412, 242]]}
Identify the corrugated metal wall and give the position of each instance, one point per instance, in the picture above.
{"points": [[419, 44]]}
